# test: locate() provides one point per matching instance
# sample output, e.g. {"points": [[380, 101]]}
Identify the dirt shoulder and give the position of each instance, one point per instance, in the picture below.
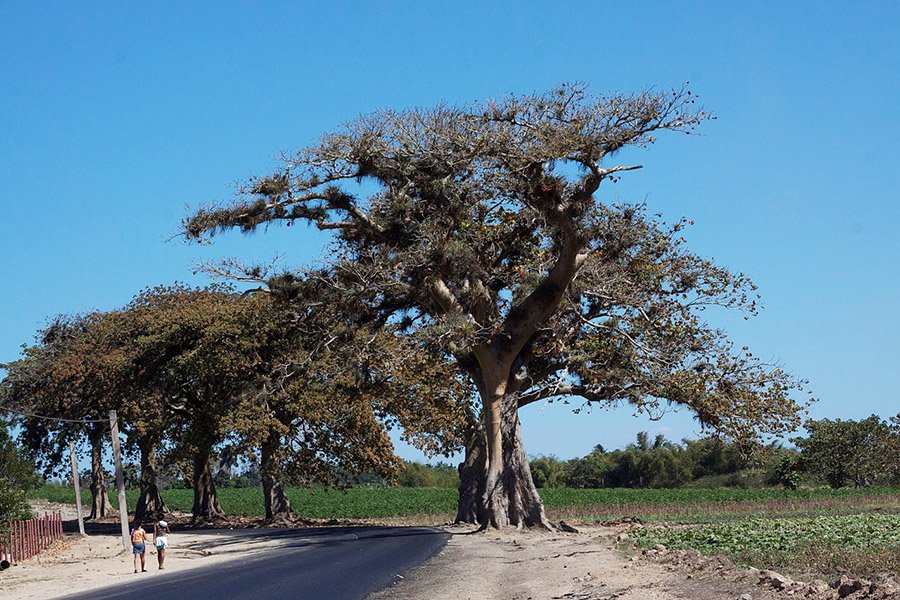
{"points": [[512, 565]]}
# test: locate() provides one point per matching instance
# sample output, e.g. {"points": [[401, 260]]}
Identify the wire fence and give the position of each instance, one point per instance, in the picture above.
{"points": [[24, 539]]}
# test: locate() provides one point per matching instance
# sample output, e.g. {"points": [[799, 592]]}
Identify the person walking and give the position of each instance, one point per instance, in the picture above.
{"points": [[138, 544], [161, 541]]}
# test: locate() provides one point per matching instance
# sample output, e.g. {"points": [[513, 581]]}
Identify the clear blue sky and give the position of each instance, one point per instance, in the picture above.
{"points": [[117, 117]]}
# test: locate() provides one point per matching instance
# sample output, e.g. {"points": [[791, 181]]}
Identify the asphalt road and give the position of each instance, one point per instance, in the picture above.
{"points": [[330, 563]]}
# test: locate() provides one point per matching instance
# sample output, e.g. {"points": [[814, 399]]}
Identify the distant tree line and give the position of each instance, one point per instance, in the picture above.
{"points": [[835, 452]]}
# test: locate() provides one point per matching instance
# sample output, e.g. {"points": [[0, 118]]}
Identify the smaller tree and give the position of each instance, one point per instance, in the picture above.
{"points": [[787, 471], [548, 471], [64, 375], [591, 471], [856, 452]]}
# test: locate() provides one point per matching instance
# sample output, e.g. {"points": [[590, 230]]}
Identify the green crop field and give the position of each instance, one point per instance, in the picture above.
{"points": [[864, 543], [684, 505]]}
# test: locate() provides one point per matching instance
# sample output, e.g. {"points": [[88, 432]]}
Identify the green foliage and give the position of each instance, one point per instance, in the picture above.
{"points": [[418, 475], [765, 541], [590, 471], [788, 471], [548, 471], [17, 477], [656, 464], [852, 452]]}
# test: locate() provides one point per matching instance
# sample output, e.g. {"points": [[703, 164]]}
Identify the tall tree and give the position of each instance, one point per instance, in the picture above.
{"points": [[484, 239], [193, 353]]}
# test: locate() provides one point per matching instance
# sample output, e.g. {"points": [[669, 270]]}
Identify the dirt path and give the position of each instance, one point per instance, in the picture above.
{"points": [[551, 566]]}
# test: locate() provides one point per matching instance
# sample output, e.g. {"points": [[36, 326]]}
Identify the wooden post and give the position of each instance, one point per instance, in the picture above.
{"points": [[77, 485], [120, 479]]}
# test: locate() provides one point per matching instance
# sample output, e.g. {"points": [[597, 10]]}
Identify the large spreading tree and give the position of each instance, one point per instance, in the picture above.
{"points": [[478, 232]]}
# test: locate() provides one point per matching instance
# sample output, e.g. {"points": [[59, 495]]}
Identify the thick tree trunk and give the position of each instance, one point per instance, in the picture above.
{"points": [[274, 496], [206, 503], [472, 477], [510, 497], [100, 505], [150, 504], [497, 473]]}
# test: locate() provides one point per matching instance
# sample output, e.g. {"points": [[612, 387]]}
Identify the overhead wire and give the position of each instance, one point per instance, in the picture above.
{"points": [[48, 418]]}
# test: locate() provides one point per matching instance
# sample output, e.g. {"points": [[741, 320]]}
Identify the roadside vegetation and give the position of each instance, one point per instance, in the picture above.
{"points": [[17, 478]]}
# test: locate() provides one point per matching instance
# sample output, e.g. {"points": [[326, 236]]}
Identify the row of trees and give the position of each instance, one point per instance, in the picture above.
{"points": [[657, 463], [473, 272], [193, 372], [837, 453]]}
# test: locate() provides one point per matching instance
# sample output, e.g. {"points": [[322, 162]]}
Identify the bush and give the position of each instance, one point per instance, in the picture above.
{"points": [[548, 471], [860, 453], [17, 477], [418, 475]]}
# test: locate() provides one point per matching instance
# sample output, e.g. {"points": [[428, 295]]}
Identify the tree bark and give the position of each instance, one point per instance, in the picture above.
{"points": [[510, 497], [206, 502], [472, 478], [274, 496], [150, 504], [100, 505], [505, 490]]}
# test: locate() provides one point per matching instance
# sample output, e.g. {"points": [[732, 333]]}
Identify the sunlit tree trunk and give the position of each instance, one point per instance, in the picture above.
{"points": [[508, 496], [274, 496], [206, 502]]}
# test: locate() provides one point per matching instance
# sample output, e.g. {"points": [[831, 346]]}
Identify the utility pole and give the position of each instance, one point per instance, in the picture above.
{"points": [[120, 479], [77, 485]]}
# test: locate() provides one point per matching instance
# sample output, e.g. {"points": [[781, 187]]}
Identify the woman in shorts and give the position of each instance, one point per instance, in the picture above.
{"points": [[138, 547], [161, 541]]}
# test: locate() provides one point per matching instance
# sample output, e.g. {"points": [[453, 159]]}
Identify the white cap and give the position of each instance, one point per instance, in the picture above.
{"points": [[163, 524]]}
